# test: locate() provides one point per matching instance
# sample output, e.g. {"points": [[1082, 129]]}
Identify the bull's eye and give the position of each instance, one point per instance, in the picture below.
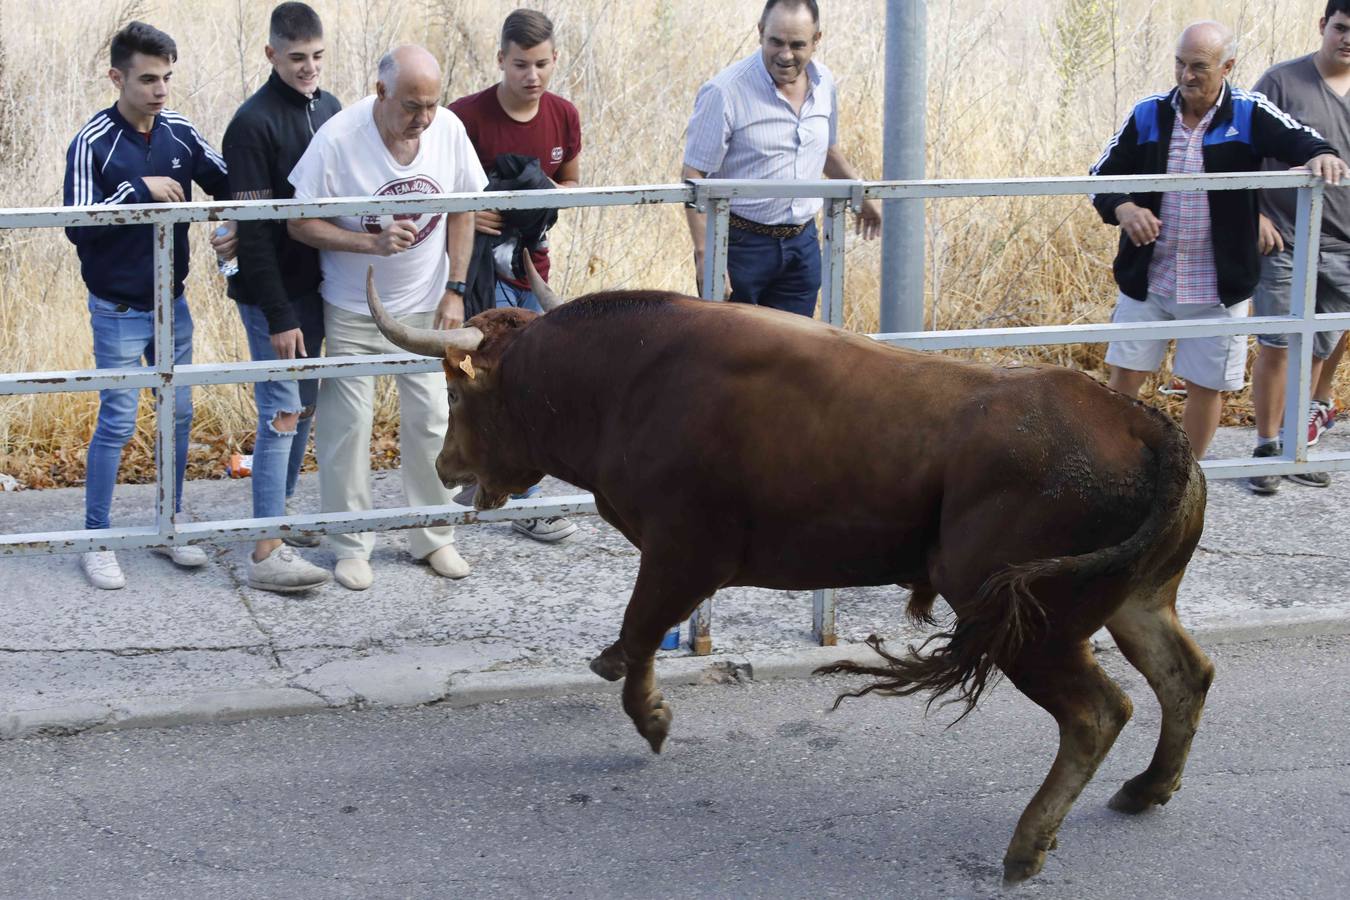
{"points": [[454, 396]]}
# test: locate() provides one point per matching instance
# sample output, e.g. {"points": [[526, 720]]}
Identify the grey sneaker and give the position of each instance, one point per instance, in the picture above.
{"points": [[549, 530], [285, 572], [1265, 484], [1311, 479], [102, 570], [296, 539], [187, 556]]}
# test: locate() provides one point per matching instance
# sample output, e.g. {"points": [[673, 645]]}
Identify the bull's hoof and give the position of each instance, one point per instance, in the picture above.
{"points": [[610, 668], [1137, 795], [655, 725], [1016, 871]]}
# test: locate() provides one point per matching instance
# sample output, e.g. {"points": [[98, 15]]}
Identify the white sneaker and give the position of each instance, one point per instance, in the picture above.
{"points": [[102, 570], [354, 574], [296, 539], [548, 531], [285, 572], [446, 561], [187, 556]]}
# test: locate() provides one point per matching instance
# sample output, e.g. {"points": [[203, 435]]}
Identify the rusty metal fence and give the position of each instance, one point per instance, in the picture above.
{"points": [[711, 195]]}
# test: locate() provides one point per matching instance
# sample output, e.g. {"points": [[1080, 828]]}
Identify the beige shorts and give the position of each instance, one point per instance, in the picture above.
{"points": [[1217, 363]]}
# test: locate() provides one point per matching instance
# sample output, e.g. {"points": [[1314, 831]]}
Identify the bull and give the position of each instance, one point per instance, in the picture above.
{"points": [[735, 445]]}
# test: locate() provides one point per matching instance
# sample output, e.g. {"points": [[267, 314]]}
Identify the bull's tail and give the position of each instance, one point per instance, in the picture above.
{"points": [[989, 633], [1005, 615]]}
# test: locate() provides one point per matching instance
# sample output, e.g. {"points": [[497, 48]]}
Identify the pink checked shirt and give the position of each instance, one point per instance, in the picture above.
{"points": [[1183, 258]]}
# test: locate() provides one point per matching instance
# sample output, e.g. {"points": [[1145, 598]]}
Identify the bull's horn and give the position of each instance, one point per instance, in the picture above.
{"points": [[424, 341], [548, 300]]}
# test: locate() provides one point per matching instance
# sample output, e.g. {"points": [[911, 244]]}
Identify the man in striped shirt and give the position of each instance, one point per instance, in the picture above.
{"points": [[774, 114], [1192, 255]]}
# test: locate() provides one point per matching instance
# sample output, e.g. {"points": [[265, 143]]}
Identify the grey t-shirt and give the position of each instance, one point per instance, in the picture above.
{"points": [[1297, 88]]}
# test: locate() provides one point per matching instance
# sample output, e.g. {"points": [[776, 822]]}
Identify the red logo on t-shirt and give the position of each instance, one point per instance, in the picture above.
{"points": [[417, 184]]}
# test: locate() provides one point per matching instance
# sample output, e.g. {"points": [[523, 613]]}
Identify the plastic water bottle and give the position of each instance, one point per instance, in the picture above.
{"points": [[227, 267]]}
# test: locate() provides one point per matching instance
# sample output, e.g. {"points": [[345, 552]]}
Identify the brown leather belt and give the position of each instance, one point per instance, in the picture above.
{"points": [[773, 231]]}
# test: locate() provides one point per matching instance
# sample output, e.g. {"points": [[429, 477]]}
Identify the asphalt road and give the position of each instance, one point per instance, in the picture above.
{"points": [[760, 793]]}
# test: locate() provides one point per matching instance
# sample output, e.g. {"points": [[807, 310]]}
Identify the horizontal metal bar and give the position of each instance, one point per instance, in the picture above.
{"points": [[77, 380], [1286, 465], [245, 210], [1045, 335], [563, 198], [320, 523]]}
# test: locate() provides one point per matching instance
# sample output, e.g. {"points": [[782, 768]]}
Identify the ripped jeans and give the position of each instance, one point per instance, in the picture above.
{"points": [[277, 455]]}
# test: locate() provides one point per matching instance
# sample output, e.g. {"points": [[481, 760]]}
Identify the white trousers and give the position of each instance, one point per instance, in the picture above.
{"points": [[343, 426]]}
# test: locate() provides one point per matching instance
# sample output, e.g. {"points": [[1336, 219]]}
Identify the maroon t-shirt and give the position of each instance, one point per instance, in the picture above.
{"points": [[553, 137]]}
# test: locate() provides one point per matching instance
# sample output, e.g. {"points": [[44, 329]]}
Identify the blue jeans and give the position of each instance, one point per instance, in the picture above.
{"points": [[122, 337], [783, 273], [510, 295], [277, 454]]}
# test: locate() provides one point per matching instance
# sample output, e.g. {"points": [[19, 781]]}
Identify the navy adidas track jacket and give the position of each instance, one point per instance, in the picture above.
{"points": [[106, 165], [1246, 129]]}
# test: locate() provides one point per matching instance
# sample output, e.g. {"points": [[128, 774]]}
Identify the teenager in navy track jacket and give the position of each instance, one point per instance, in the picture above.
{"points": [[136, 151]]}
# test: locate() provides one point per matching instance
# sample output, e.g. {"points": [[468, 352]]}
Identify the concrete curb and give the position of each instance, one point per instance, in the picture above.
{"points": [[408, 683]]}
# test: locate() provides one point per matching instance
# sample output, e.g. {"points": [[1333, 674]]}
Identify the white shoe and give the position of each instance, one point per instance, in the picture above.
{"points": [[187, 556], [283, 571], [354, 574], [547, 531], [102, 570], [446, 561]]}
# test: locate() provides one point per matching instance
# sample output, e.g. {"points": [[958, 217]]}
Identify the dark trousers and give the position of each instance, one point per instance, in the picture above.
{"points": [[783, 273]]}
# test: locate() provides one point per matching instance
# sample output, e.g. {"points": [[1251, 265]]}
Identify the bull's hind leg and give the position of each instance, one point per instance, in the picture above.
{"points": [[1090, 710], [1154, 642]]}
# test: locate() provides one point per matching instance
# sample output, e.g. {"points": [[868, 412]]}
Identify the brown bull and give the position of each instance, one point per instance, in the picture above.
{"points": [[735, 445]]}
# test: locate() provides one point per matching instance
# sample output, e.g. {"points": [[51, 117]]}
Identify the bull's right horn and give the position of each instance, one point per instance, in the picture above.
{"points": [[548, 300], [424, 341]]}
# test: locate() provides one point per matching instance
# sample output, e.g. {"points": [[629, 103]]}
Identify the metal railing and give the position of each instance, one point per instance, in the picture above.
{"points": [[711, 195]]}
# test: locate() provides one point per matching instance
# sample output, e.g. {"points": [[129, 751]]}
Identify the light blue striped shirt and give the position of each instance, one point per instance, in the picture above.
{"points": [[742, 127]]}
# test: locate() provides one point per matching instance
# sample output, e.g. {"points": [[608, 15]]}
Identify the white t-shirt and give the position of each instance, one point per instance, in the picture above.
{"points": [[347, 158]]}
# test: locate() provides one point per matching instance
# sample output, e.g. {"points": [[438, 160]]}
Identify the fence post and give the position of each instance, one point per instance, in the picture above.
{"points": [[713, 288], [166, 444], [832, 311], [1298, 387]]}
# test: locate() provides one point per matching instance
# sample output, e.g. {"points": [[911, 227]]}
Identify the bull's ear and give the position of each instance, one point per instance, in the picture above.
{"points": [[463, 364]]}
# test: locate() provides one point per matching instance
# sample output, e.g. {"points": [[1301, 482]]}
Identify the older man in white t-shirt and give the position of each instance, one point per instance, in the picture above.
{"points": [[398, 142]]}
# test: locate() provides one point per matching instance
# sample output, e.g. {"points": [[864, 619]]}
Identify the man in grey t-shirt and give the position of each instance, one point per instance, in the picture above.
{"points": [[1312, 89]]}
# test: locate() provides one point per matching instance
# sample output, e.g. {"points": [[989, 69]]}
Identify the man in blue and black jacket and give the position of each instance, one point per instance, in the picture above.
{"points": [[135, 151], [1193, 255], [277, 287]]}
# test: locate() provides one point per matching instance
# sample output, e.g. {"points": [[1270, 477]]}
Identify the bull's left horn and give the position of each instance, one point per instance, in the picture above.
{"points": [[424, 341], [548, 301]]}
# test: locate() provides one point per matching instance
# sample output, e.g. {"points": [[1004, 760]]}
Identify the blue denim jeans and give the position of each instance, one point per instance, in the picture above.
{"points": [[510, 295], [277, 455], [783, 273], [122, 338]]}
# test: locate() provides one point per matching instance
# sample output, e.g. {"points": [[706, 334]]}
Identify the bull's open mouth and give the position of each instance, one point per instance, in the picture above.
{"points": [[487, 500]]}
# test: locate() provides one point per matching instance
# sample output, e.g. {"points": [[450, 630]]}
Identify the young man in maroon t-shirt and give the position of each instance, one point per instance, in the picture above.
{"points": [[518, 115]]}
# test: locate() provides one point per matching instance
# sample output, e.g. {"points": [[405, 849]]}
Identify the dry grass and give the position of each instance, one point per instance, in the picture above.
{"points": [[1016, 89]]}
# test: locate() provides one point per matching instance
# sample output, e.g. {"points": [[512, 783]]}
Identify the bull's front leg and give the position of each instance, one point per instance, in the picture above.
{"points": [[668, 589], [610, 664]]}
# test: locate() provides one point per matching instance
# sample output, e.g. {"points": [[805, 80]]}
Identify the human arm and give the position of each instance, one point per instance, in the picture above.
{"points": [[869, 217], [1268, 238], [322, 234], [85, 185], [698, 233], [1121, 157], [459, 231], [708, 137], [1277, 134]]}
